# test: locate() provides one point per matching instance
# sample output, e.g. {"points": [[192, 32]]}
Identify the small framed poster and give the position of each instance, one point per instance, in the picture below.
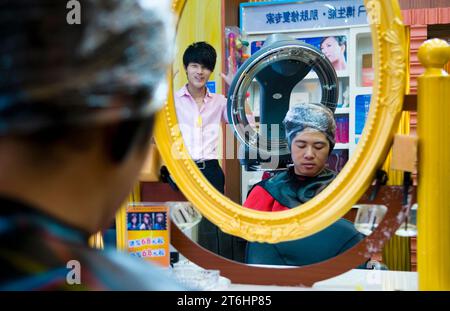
{"points": [[148, 232]]}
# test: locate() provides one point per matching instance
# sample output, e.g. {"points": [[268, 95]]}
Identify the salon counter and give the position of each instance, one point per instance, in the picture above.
{"points": [[353, 280]]}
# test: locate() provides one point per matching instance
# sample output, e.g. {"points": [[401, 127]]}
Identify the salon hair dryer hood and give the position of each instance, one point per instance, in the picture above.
{"points": [[277, 67]]}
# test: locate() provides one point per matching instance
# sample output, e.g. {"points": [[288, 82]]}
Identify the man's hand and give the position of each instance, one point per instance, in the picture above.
{"points": [[228, 78]]}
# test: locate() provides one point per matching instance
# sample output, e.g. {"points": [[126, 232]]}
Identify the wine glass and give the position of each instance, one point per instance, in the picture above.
{"points": [[369, 217], [409, 227]]}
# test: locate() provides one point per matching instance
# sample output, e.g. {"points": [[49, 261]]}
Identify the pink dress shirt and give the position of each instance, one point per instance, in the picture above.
{"points": [[200, 128]]}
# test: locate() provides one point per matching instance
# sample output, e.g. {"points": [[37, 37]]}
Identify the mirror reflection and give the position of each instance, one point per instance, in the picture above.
{"points": [[273, 72], [266, 76], [200, 113], [369, 217], [310, 131], [324, 245]]}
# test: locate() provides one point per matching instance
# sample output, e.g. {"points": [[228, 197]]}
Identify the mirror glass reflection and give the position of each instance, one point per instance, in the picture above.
{"points": [[319, 247], [368, 217], [203, 112]]}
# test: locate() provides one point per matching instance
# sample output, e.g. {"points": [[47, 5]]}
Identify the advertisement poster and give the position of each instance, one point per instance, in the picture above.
{"points": [[334, 48], [303, 15], [148, 232]]}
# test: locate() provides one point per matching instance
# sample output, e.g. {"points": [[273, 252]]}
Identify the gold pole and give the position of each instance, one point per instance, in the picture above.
{"points": [[121, 225], [433, 239], [96, 241]]}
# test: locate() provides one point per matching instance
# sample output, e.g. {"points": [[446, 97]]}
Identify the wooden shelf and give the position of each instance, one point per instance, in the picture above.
{"points": [[313, 76], [342, 111]]}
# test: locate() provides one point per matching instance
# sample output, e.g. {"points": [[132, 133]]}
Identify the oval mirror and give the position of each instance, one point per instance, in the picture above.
{"points": [[389, 59]]}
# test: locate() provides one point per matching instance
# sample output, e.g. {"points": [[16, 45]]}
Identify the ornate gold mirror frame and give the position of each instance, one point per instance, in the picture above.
{"points": [[389, 52]]}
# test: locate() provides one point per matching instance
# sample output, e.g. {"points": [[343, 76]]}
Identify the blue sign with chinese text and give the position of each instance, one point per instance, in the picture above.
{"points": [[362, 106], [211, 85], [295, 15]]}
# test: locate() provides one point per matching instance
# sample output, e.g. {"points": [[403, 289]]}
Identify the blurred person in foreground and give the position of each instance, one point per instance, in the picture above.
{"points": [[77, 104]]}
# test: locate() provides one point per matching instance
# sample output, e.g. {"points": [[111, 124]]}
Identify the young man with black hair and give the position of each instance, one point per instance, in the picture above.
{"points": [[200, 114]]}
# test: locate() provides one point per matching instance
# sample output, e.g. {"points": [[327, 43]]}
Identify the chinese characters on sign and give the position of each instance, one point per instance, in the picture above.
{"points": [[148, 233], [146, 241], [297, 15], [292, 17], [313, 15]]}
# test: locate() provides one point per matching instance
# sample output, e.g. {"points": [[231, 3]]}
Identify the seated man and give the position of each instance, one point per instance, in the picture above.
{"points": [[310, 131]]}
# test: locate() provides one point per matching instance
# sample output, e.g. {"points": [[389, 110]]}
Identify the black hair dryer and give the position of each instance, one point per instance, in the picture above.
{"points": [[274, 71]]}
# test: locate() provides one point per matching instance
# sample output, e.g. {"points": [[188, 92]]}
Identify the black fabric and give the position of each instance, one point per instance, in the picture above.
{"points": [[318, 247], [209, 235], [291, 190], [213, 173]]}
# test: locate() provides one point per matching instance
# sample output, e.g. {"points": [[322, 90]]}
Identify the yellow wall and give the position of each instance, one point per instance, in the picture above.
{"points": [[201, 21], [397, 251]]}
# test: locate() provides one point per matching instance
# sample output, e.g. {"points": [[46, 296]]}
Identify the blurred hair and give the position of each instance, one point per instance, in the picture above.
{"points": [[62, 82], [109, 68]]}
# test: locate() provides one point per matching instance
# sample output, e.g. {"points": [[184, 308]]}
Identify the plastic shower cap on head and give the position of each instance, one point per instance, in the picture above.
{"points": [[312, 116], [110, 67]]}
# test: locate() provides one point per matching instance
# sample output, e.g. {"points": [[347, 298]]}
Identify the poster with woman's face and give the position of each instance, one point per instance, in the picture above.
{"points": [[139, 221], [147, 232], [334, 48]]}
